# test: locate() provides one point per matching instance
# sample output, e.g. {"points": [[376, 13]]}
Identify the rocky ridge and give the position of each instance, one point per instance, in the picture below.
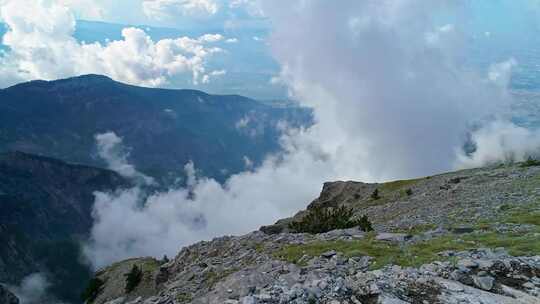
{"points": [[464, 237]]}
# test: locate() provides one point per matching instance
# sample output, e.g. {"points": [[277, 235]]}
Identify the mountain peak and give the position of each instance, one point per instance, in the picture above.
{"points": [[86, 80]]}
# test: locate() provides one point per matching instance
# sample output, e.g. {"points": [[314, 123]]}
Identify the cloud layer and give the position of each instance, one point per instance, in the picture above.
{"points": [[42, 46]]}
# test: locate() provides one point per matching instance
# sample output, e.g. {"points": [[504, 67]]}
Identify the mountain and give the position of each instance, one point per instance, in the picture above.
{"points": [[46, 209], [6, 297], [469, 236], [164, 129]]}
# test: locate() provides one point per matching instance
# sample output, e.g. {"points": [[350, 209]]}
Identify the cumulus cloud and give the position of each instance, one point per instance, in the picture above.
{"points": [[112, 151], [168, 9], [42, 46], [391, 97]]}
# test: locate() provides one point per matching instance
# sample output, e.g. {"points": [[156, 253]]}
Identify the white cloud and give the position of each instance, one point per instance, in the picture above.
{"points": [[248, 163], [500, 142], [387, 103], [33, 290], [252, 7], [111, 150], [169, 9], [85, 9], [242, 122], [500, 73], [42, 46], [231, 40]]}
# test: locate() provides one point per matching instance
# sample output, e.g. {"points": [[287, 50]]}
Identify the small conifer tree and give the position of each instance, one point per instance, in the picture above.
{"points": [[133, 278]]}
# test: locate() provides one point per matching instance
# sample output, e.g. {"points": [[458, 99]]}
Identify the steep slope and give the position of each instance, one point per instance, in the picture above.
{"points": [[470, 236], [45, 209], [6, 297], [164, 128]]}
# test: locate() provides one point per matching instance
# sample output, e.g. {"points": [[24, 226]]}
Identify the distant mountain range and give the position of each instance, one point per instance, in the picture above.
{"points": [[45, 213], [164, 129], [49, 167]]}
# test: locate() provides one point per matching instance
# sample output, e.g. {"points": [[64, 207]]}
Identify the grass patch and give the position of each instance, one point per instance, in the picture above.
{"points": [[214, 276], [183, 298], [149, 265], [390, 191], [523, 217], [398, 185], [382, 252], [416, 254]]}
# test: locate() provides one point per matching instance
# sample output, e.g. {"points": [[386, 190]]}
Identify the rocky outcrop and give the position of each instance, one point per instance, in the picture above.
{"points": [[465, 237], [6, 297], [434, 200]]}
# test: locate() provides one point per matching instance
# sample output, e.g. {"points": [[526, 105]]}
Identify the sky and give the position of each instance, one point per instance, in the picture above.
{"points": [[397, 88], [88, 36], [217, 47]]}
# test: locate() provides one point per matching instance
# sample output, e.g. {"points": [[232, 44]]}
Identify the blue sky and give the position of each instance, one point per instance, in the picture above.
{"points": [[238, 61]]}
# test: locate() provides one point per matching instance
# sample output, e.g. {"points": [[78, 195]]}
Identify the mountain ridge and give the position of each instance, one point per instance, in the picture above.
{"points": [[46, 212], [164, 128]]}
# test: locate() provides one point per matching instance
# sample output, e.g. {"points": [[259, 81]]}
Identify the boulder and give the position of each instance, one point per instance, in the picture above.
{"points": [[393, 237]]}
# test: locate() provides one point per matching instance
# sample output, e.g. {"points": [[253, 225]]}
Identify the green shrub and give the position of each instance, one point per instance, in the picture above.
{"points": [[92, 290], [133, 278], [375, 194], [365, 223], [320, 220], [409, 192], [165, 259], [530, 162]]}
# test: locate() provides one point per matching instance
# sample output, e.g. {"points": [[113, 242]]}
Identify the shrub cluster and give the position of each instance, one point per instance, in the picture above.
{"points": [[375, 194], [92, 290], [320, 220], [133, 278], [530, 162]]}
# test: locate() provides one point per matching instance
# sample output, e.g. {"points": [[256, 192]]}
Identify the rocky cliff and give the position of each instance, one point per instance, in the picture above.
{"points": [[464, 237]]}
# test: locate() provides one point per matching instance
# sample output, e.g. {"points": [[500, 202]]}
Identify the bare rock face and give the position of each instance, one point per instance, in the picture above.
{"points": [[6, 297]]}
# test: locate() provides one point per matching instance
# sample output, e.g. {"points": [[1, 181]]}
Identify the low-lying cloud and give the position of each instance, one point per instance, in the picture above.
{"points": [[34, 290], [392, 98], [500, 141], [111, 150]]}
